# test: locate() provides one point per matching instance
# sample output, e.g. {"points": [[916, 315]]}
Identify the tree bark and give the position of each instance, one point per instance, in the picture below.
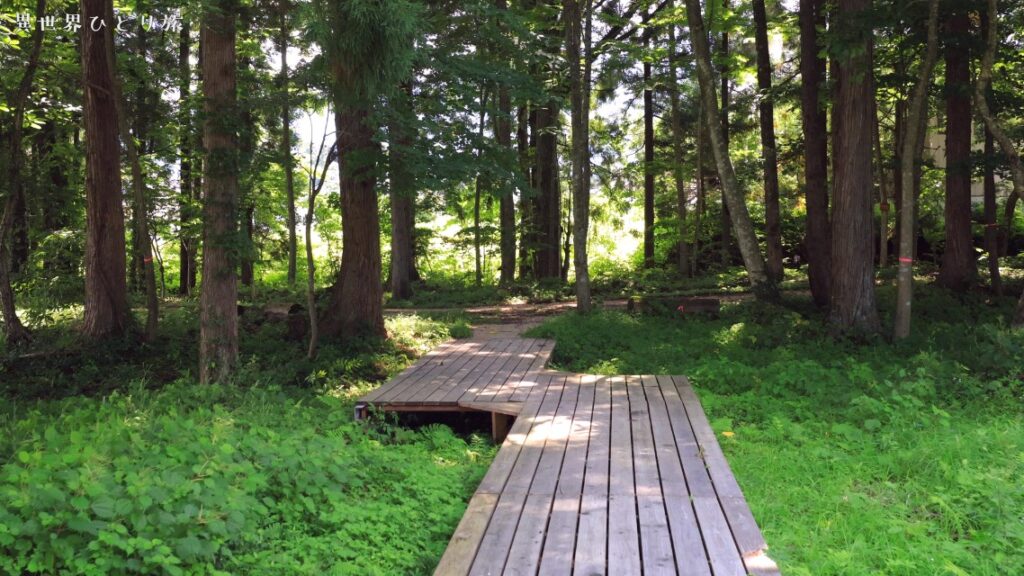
{"points": [[106, 291], [883, 200], [356, 301], [1009, 150], [818, 233], [752, 258], [140, 217], [218, 319], [766, 109], [187, 248], [507, 206], [699, 182], [723, 72], [478, 188], [526, 140], [913, 142], [402, 195], [853, 304], [958, 269], [287, 161], [683, 256], [578, 26], [549, 201], [991, 217], [15, 332], [648, 159]]}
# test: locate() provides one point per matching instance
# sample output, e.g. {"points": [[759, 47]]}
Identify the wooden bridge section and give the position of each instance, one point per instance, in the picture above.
{"points": [[617, 475]]}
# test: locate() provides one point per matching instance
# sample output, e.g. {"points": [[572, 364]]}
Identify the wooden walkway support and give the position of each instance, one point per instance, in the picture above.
{"points": [[617, 475]]}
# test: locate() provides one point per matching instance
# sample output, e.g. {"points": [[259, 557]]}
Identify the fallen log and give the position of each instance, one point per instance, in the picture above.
{"points": [[673, 305]]}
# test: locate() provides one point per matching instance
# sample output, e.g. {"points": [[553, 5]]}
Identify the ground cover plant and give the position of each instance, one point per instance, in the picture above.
{"points": [[856, 456]]}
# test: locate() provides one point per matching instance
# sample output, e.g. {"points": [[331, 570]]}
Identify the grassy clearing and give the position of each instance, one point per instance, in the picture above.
{"points": [[115, 461], [856, 457]]}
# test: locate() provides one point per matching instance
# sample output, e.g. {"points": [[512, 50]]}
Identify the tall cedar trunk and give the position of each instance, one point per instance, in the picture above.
{"points": [[218, 317], [913, 142], [741, 222], [991, 217], [549, 201], [106, 291], [766, 108], [699, 180], [247, 191], [507, 206], [286, 147], [187, 244], [478, 189], [14, 331], [853, 304], [1009, 150], [248, 228], [683, 255], [958, 268], [724, 113], [356, 301], [648, 160], [402, 195], [526, 141], [142, 248], [579, 87], [899, 121], [818, 233], [883, 199]]}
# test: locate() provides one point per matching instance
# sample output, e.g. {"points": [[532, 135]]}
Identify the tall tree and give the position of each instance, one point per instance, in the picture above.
{"points": [[186, 198], [753, 260], [678, 135], [506, 207], [547, 216], [106, 290], [402, 194], [723, 74], [578, 26], [143, 248], [287, 161], [958, 269], [366, 48], [853, 304], [1000, 136], [648, 156], [991, 216], [818, 233], [14, 331], [913, 141], [218, 316], [766, 110]]}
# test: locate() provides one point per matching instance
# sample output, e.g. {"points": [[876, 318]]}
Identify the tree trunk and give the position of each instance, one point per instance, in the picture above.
{"points": [[507, 206], [14, 331], [356, 301], [958, 268], [402, 195], [818, 233], [524, 143], [991, 217], [106, 291], [648, 160], [287, 161], [883, 203], [578, 26], [187, 251], [1012, 156], [683, 256], [723, 72], [478, 189], [549, 201], [218, 319], [752, 259], [766, 108], [699, 181], [140, 218], [853, 304], [913, 142], [248, 228], [314, 190]]}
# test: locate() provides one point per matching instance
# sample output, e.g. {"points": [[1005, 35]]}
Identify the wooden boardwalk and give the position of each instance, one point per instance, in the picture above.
{"points": [[615, 475]]}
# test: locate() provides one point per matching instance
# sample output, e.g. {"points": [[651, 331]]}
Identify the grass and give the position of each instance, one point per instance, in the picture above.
{"points": [[857, 457], [116, 461]]}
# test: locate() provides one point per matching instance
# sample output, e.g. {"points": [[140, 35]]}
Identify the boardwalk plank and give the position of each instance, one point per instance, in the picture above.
{"points": [[623, 534], [655, 541]]}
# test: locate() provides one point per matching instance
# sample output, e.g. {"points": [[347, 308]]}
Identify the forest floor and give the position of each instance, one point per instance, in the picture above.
{"points": [[857, 456]]}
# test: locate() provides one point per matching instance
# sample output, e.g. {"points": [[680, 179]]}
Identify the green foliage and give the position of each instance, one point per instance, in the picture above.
{"points": [[857, 458], [257, 477]]}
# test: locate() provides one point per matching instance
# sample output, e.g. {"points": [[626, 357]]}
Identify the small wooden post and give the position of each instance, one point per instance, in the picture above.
{"points": [[500, 425]]}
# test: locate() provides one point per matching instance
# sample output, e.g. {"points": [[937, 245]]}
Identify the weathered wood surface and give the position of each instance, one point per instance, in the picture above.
{"points": [[616, 475]]}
